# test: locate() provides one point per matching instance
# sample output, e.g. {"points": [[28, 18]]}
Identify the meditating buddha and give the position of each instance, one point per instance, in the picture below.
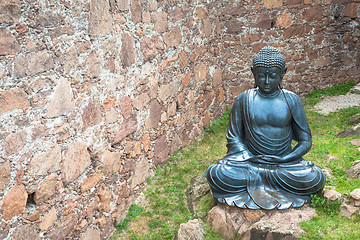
{"points": [[261, 170]]}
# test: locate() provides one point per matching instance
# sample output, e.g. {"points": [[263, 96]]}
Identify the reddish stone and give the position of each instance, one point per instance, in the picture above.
{"points": [[46, 162], [201, 13], [351, 10], [234, 26], [128, 51], [183, 59], [200, 72], [273, 3], [179, 13], [127, 128], [141, 173], [161, 21], [123, 5], [151, 47], [13, 99], [263, 21], [126, 106], [238, 10], [161, 151], [61, 100], [293, 31], [105, 199], [258, 46], [14, 142], [10, 11], [32, 63], [25, 232], [14, 202], [141, 101], [4, 175], [154, 115], [48, 220], [216, 78], [186, 80], [319, 37], [284, 20], [46, 189], [292, 2], [313, 13], [173, 38], [8, 44], [63, 229], [91, 114], [135, 7], [100, 19]]}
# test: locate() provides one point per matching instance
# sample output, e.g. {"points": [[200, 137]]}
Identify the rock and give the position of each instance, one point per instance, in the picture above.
{"points": [[25, 232], [49, 19], [127, 128], [347, 210], [200, 72], [355, 142], [354, 119], [94, 65], [154, 114], [135, 7], [105, 199], [201, 12], [328, 173], [64, 228], [10, 11], [48, 220], [351, 10], [91, 114], [33, 217], [352, 131], [46, 189], [14, 202], [173, 38], [141, 173], [292, 2], [332, 195], [293, 31], [8, 44], [234, 26], [14, 142], [161, 151], [46, 162], [263, 21], [126, 106], [168, 90], [284, 20], [229, 222], [32, 63], [111, 163], [356, 89], [12, 99], [76, 160], [90, 182], [128, 51], [141, 101], [151, 47], [90, 234], [272, 3], [313, 13], [193, 229], [183, 61], [100, 19], [354, 170], [161, 21], [198, 189], [123, 5], [355, 197], [61, 101], [4, 175]]}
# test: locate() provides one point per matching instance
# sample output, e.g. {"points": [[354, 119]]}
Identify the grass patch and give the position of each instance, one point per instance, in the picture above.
{"points": [[167, 207]]}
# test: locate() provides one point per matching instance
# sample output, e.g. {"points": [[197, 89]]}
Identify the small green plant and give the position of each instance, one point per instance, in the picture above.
{"points": [[329, 208], [133, 212], [220, 123]]}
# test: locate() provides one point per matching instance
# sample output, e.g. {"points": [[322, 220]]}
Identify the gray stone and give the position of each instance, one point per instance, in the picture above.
{"points": [[191, 230], [161, 21], [355, 197], [128, 52], [100, 19], [352, 131], [14, 142], [332, 195], [8, 44], [198, 188], [10, 11], [354, 170], [347, 210], [32, 63], [49, 19], [135, 6], [354, 119]]}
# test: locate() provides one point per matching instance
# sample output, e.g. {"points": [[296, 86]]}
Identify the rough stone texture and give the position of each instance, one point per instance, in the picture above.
{"points": [[193, 229], [46, 162], [150, 47], [14, 142], [257, 224], [13, 99], [76, 160], [154, 115], [4, 175], [32, 63], [10, 11], [111, 163], [201, 72], [284, 20], [355, 197], [198, 189], [125, 130], [62, 99], [349, 132], [48, 220], [46, 189], [100, 19], [142, 172], [161, 21], [91, 114], [161, 151], [25, 232], [90, 182], [273, 3], [173, 38], [128, 51], [347, 210], [14, 202], [90, 234], [354, 170], [135, 6], [332, 195], [8, 44]]}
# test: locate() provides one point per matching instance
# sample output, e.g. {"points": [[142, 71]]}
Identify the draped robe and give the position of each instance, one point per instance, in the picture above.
{"points": [[237, 181]]}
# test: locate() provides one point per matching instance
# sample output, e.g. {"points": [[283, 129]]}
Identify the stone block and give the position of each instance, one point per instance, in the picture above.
{"points": [[14, 202], [201, 72], [111, 163], [49, 161], [273, 3], [100, 19], [12, 99], [123, 5], [141, 172], [90, 234], [332, 195], [8, 44], [263, 21], [183, 59], [173, 38], [141, 101], [293, 31], [61, 101], [292, 2], [4, 175], [91, 114], [25, 232], [313, 14], [201, 13], [32, 63], [135, 8], [167, 91], [127, 128], [76, 160], [284, 20], [347, 210], [150, 47], [160, 19], [46, 189], [14, 142], [234, 26], [49, 19], [63, 229], [193, 229], [161, 151], [128, 51], [93, 65], [351, 10], [154, 114], [126, 106], [48, 220], [354, 170], [10, 11], [105, 199]]}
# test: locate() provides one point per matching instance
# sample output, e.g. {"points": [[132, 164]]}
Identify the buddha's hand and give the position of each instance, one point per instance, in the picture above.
{"points": [[266, 159]]}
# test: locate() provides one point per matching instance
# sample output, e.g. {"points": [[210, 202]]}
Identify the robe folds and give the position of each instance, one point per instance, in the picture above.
{"points": [[237, 181]]}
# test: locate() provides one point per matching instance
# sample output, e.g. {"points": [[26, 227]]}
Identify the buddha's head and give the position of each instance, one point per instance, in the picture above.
{"points": [[268, 69]]}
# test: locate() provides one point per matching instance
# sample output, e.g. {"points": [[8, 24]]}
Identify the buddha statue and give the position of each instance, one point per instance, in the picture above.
{"points": [[261, 170]]}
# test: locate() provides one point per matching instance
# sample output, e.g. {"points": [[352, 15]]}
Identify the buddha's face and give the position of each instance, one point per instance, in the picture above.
{"points": [[268, 79]]}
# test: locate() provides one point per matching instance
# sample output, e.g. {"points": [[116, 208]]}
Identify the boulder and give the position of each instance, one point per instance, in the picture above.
{"points": [[192, 230], [351, 131], [355, 197], [332, 195], [198, 189], [354, 170], [347, 210], [231, 222]]}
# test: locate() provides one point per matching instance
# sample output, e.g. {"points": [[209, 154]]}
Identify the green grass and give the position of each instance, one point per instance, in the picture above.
{"points": [[167, 207]]}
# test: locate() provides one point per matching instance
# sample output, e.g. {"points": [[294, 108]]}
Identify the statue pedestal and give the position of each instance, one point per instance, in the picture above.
{"points": [[236, 223]]}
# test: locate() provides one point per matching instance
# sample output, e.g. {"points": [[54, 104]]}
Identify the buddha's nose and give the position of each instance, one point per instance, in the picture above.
{"points": [[267, 80]]}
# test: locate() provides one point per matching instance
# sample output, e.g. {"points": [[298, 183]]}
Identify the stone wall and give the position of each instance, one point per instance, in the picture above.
{"points": [[95, 94]]}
